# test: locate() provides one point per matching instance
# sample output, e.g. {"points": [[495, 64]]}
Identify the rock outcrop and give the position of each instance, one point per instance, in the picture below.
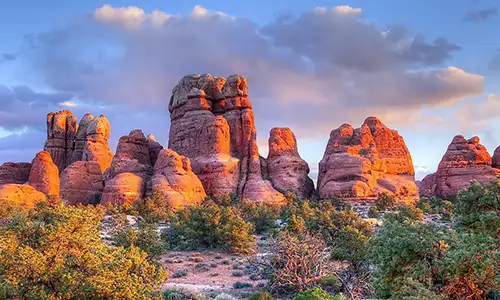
{"points": [[212, 124], [17, 173], [286, 169], [154, 148], [81, 137], [82, 183], [495, 160], [20, 194], [61, 132], [44, 175], [96, 146], [174, 178], [123, 189], [464, 161], [364, 162]]}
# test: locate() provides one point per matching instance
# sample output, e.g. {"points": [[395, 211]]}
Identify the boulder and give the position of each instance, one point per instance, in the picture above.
{"points": [[123, 189], [463, 162], [96, 146], [17, 173], [82, 183], [212, 124], [20, 194], [495, 161], [361, 163], [286, 169], [174, 178], [61, 132], [44, 175]]}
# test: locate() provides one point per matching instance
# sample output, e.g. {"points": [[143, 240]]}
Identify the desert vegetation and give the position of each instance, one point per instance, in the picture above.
{"points": [[309, 249]]}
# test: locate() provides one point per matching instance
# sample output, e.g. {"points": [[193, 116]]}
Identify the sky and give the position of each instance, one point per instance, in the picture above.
{"points": [[429, 69]]}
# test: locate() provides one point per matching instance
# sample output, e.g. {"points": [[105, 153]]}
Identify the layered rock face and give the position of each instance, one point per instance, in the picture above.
{"points": [[154, 148], [82, 183], [464, 161], [17, 173], [174, 178], [212, 123], [96, 146], [61, 132], [364, 162], [20, 194], [286, 169], [130, 170], [495, 161], [44, 174]]}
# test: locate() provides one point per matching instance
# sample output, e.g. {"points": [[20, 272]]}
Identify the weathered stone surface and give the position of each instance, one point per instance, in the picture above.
{"points": [[44, 175], [81, 137], [286, 169], [464, 161], [61, 132], [82, 183], [212, 124], [17, 173], [495, 162], [154, 148], [20, 194], [174, 178], [364, 162], [134, 146], [96, 147], [123, 189]]}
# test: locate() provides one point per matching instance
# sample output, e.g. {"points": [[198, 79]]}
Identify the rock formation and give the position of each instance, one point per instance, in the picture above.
{"points": [[96, 146], [154, 148], [364, 162], [464, 161], [20, 194], [44, 175], [61, 132], [17, 173], [286, 169], [123, 189], [495, 161], [82, 183], [131, 158], [174, 178], [212, 124], [81, 137]]}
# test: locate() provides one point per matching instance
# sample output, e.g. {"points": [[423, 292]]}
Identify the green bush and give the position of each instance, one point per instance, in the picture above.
{"points": [[180, 273], [373, 212], [145, 238], [385, 201], [212, 226], [406, 248], [56, 252], [262, 215], [435, 205], [153, 209], [316, 294], [242, 285], [261, 296], [181, 294]]}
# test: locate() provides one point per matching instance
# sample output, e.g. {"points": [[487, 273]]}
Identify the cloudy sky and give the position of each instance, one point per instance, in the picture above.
{"points": [[430, 69]]}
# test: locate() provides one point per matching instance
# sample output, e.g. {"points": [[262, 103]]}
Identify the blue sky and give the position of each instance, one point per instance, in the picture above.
{"points": [[430, 69]]}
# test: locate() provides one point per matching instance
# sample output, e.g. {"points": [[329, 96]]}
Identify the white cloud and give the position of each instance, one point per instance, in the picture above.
{"points": [[347, 10], [68, 104]]}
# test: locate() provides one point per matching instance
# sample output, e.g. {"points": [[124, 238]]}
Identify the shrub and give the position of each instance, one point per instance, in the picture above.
{"points": [[181, 294], [153, 209], [211, 226], [237, 274], [385, 201], [315, 294], [406, 250], [145, 238], [55, 252], [296, 262], [373, 212], [180, 273], [261, 296], [224, 297], [435, 205], [242, 285], [262, 215]]}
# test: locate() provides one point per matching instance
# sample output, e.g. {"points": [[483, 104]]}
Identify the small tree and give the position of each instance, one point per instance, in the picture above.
{"points": [[385, 201], [153, 208], [146, 238], [297, 261]]}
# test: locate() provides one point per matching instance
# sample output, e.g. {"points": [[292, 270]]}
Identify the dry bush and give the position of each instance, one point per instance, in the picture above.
{"points": [[297, 261]]}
